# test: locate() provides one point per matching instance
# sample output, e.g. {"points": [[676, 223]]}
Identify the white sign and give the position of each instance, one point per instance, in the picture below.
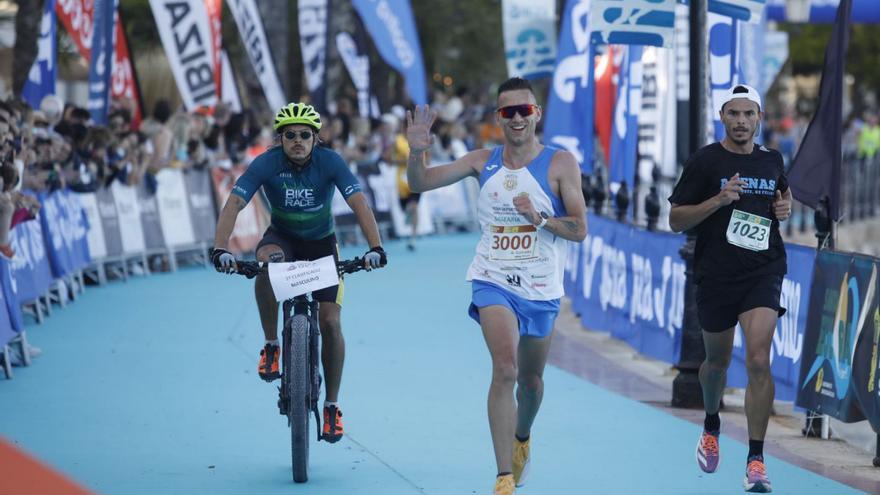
{"points": [[529, 37], [301, 277], [186, 35], [250, 27], [129, 210], [95, 234], [173, 208]]}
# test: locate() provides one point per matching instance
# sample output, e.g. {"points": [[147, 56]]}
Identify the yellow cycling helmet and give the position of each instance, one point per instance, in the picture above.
{"points": [[297, 113]]}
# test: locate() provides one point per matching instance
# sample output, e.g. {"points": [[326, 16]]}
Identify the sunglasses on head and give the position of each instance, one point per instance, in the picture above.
{"points": [[304, 135], [522, 110]]}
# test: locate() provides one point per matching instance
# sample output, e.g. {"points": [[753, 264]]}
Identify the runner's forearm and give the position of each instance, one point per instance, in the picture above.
{"points": [[569, 228], [686, 217], [226, 222]]}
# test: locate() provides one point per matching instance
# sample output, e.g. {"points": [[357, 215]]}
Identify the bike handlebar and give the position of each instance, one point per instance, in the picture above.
{"points": [[251, 269]]}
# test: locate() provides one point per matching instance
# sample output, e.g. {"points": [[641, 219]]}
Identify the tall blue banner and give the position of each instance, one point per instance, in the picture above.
{"points": [[41, 79], [788, 340], [393, 29], [568, 122], [722, 64], [64, 229], [101, 63], [30, 266], [624, 137]]}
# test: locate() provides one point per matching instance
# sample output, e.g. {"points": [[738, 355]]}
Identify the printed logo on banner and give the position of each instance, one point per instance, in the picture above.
{"points": [[43, 73], [843, 316], [529, 37], [635, 22], [313, 44]]}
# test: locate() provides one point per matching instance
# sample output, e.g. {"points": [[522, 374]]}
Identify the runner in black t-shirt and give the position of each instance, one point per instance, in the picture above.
{"points": [[733, 195]]}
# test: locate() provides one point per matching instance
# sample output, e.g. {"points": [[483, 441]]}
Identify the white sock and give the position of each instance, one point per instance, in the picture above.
{"points": [[273, 342], [328, 404]]}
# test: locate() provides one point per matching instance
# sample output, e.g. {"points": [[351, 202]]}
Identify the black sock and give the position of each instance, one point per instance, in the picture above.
{"points": [[504, 473], [712, 423], [756, 449], [521, 440]]}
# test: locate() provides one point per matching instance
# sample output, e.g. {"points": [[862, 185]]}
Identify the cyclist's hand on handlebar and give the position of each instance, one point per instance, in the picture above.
{"points": [[223, 261], [375, 258]]}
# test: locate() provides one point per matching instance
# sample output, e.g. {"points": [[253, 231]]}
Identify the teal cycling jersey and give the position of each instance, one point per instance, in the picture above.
{"points": [[299, 199]]}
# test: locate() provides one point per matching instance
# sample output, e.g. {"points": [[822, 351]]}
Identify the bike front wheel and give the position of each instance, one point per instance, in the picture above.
{"points": [[299, 391]]}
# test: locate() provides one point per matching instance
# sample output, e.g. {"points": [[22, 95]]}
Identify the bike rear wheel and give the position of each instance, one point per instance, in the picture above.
{"points": [[296, 368]]}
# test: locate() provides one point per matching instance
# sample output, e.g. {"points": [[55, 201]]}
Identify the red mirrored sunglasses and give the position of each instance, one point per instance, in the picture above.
{"points": [[523, 110]]}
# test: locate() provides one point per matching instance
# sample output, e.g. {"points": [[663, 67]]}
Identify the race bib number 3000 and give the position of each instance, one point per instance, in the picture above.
{"points": [[749, 231], [515, 242]]}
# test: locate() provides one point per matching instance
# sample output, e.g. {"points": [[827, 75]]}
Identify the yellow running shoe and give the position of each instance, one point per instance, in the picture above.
{"points": [[504, 485], [520, 461]]}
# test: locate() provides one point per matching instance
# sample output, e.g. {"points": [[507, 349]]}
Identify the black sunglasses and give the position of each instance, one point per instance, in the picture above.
{"points": [[304, 135], [523, 110]]}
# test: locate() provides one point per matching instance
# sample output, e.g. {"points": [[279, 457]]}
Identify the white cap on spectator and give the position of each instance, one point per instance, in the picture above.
{"points": [[398, 112], [741, 91], [52, 106], [391, 120]]}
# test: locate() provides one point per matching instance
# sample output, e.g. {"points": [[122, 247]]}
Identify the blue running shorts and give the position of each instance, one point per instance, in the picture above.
{"points": [[535, 318]]}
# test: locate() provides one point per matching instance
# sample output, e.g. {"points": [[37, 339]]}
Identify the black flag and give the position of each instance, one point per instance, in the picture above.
{"points": [[815, 171]]}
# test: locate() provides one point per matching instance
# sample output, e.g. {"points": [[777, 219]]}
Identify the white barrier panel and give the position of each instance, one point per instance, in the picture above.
{"points": [[129, 211], [173, 208], [95, 234], [150, 222]]}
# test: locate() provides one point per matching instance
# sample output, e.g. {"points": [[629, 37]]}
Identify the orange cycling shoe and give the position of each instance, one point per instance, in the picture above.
{"points": [[332, 424], [268, 367]]}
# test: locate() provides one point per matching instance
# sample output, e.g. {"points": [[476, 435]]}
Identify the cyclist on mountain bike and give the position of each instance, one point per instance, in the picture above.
{"points": [[299, 179]]}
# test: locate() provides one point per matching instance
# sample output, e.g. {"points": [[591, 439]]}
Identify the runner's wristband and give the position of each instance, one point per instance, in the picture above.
{"points": [[543, 222]]}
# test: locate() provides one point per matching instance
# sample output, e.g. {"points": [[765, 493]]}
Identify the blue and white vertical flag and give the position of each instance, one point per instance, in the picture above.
{"points": [[722, 64], [633, 22], [393, 29], [314, 27], [101, 63], [742, 10], [41, 79], [354, 50], [625, 135], [529, 37], [568, 122]]}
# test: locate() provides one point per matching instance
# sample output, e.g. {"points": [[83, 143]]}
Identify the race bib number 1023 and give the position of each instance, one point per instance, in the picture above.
{"points": [[514, 242], [749, 231]]}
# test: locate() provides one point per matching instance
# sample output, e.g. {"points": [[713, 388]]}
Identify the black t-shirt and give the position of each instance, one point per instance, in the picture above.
{"points": [[703, 177]]}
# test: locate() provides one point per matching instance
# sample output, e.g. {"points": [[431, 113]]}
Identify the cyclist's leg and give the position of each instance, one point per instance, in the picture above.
{"points": [[266, 304], [500, 329]]}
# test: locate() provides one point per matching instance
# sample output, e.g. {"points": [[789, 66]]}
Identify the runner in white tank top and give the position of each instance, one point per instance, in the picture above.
{"points": [[514, 253], [530, 203]]}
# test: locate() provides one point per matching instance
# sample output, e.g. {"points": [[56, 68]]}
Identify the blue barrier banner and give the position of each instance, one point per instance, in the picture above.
{"points": [[568, 123], [843, 305], [788, 340], [393, 29], [633, 286], [7, 333], [64, 228], [624, 138], [10, 296], [41, 79], [30, 266]]}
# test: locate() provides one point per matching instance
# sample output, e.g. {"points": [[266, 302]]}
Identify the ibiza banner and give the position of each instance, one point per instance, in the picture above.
{"points": [[743, 10], [30, 265], [624, 138], [843, 302], [393, 29], [77, 18], [354, 51], [572, 94], [633, 22], [529, 37], [788, 340], [101, 62], [314, 28], [41, 79], [634, 292], [186, 36]]}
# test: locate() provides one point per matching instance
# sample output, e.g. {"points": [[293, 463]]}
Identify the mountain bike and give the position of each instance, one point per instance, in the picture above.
{"points": [[300, 371]]}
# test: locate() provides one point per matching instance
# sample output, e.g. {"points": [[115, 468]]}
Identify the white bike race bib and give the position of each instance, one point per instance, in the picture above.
{"points": [[749, 231], [513, 242]]}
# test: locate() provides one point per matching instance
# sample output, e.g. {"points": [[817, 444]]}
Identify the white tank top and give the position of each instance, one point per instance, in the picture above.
{"points": [[512, 252]]}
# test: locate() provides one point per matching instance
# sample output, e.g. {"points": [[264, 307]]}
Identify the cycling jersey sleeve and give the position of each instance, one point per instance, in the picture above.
{"points": [[251, 180], [345, 181]]}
